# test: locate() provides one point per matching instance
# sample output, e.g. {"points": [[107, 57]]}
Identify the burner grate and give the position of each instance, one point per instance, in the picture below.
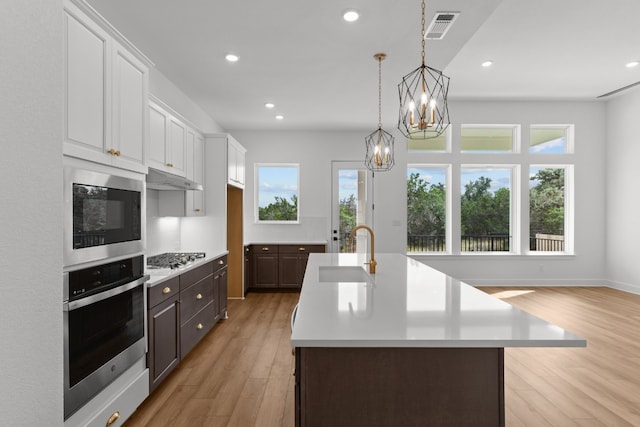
{"points": [[173, 259]]}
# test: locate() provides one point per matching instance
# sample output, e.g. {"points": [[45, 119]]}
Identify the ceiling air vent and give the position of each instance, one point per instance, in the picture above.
{"points": [[441, 23]]}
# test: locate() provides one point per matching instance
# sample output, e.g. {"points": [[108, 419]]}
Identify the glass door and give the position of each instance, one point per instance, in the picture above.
{"points": [[352, 203]]}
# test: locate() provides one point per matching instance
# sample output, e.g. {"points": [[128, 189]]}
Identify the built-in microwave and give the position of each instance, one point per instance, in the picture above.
{"points": [[103, 216]]}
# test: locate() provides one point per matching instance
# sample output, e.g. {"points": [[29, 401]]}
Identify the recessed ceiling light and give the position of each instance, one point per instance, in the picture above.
{"points": [[351, 15], [487, 64], [269, 105], [633, 64], [231, 57], [279, 117]]}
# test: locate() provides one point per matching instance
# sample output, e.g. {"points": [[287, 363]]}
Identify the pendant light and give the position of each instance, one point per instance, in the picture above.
{"points": [[379, 144], [423, 99]]}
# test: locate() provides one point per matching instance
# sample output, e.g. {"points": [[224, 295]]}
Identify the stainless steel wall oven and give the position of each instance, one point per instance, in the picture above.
{"points": [[104, 326], [103, 216]]}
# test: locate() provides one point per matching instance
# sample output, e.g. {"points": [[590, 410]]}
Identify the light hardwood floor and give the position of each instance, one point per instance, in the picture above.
{"points": [[241, 373]]}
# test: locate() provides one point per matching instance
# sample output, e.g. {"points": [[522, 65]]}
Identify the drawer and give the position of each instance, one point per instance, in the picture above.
{"points": [[195, 298], [196, 328], [162, 291], [195, 275], [219, 263], [265, 249], [301, 249]]}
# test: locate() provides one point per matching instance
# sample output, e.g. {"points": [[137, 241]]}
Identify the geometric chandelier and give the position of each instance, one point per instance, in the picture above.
{"points": [[423, 99], [379, 156]]}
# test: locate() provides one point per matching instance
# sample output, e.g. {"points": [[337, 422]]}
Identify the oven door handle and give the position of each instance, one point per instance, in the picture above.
{"points": [[72, 305]]}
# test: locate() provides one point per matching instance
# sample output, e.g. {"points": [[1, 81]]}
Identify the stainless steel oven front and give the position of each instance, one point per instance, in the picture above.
{"points": [[103, 216], [104, 327]]}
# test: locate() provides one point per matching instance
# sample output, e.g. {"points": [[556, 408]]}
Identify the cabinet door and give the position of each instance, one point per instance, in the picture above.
{"points": [[240, 167], [265, 270], [232, 154], [86, 61], [222, 294], [157, 137], [290, 270], [195, 172], [176, 149], [164, 341], [248, 269], [129, 106]]}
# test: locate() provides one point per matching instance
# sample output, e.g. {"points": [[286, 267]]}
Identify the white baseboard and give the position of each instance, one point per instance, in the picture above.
{"points": [[627, 287]]}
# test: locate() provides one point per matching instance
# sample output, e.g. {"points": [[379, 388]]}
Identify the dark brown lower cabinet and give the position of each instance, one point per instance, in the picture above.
{"points": [[399, 386], [181, 311], [277, 266], [220, 289], [163, 321]]}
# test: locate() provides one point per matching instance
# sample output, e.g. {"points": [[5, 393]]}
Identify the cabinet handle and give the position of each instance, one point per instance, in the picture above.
{"points": [[117, 153], [170, 165], [112, 152], [196, 210], [199, 296], [166, 290], [302, 249], [265, 249], [113, 418], [221, 262], [199, 326]]}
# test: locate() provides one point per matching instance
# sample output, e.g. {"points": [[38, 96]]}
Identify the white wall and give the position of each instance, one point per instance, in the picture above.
{"points": [[315, 151], [31, 211], [622, 201]]}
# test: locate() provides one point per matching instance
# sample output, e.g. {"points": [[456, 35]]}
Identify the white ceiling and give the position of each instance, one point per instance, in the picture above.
{"points": [[320, 72]]}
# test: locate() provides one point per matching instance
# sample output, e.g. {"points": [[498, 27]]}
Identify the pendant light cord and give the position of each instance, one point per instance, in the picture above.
{"points": [[379, 92], [423, 33]]}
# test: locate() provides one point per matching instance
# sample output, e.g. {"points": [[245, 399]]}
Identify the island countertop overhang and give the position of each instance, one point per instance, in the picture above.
{"points": [[409, 304]]}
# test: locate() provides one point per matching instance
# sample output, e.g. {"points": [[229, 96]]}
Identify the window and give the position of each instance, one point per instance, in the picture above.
{"points": [[426, 208], [277, 192], [513, 198], [485, 208], [549, 139], [439, 144], [489, 138], [547, 208]]}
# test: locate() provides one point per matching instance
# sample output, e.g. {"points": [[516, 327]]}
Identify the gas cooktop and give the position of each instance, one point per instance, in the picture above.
{"points": [[173, 259]]}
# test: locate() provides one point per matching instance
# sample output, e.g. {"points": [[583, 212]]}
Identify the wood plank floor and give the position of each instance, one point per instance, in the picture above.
{"points": [[241, 373]]}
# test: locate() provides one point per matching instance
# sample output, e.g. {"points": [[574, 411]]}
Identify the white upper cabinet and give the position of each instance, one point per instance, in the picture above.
{"points": [[235, 162], [106, 93], [167, 141], [130, 97], [194, 203]]}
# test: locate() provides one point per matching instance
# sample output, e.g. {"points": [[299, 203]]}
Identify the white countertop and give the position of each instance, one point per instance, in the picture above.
{"points": [[159, 275], [408, 304]]}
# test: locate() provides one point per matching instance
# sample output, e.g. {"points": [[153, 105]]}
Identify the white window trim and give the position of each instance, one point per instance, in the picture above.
{"points": [[256, 192]]}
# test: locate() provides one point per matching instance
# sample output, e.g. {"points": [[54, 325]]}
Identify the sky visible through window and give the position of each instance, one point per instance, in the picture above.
{"points": [[555, 146], [347, 183], [280, 181]]}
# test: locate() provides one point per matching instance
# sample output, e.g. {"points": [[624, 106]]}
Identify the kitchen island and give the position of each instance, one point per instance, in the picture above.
{"points": [[407, 346]]}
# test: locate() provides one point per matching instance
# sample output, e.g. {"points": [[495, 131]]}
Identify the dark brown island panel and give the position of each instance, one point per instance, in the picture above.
{"points": [[348, 386]]}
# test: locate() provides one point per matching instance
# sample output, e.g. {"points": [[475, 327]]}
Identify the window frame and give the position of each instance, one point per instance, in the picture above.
{"points": [[514, 207], [520, 160], [257, 167], [448, 206]]}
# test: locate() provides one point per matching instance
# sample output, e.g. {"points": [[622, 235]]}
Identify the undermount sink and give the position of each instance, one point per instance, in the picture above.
{"points": [[344, 273]]}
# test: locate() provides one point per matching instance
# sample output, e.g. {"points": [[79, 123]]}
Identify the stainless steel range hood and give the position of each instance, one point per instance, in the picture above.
{"points": [[160, 180]]}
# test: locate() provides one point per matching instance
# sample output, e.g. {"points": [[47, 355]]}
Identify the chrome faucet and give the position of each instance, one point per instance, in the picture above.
{"points": [[372, 263]]}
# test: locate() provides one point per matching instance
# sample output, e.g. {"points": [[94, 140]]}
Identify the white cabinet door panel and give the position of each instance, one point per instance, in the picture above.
{"points": [[129, 106], [86, 62]]}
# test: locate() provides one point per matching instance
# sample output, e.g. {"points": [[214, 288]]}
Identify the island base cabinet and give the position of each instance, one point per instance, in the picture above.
{"points": [[399, 386]]}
